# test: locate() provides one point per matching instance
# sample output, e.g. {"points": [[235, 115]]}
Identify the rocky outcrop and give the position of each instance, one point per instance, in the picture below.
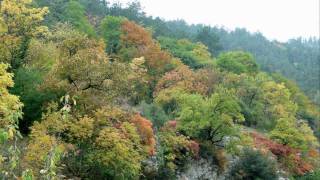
{"points": [[201, 169]]}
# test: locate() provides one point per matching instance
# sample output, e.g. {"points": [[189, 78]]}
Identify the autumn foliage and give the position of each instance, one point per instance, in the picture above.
{"points": [[99, 96], [136, 36], [177, 148], [184, 78], [195, 148], [145, 130], [284, 154]]}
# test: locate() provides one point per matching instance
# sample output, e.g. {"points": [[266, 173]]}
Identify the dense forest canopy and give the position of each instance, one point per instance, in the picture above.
{"points": [[93, 90], [296, 59]]}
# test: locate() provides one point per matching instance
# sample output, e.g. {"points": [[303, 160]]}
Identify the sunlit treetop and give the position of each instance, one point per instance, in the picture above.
{"points": [[21, 19]]}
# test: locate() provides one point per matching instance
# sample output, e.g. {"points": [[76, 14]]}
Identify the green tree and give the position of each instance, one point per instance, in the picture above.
{"points": [[155, 113], [195, 55], [237, 62], [40, 57], [287, 132], [307, 110], [253, 165], [56, 9], [74, 13], [208, 37], [27, 87], [263, 101], [110, 30], [209, 119]]}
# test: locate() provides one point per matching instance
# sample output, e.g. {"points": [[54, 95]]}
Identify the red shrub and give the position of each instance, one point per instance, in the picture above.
{"points": [[281, 151], [301, 167], [277, 149], [145, 130], [172, 124], [194, 147]]}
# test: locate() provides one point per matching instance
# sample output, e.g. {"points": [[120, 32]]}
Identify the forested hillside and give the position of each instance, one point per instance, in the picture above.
{"points": [[92, 90], [297, 59]]}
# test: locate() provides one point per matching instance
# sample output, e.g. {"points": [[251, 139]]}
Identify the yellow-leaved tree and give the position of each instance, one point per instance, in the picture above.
{"points": [[18, 23], [10, 112]]}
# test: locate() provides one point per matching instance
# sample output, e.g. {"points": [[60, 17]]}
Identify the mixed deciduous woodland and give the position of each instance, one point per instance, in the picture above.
{"points": [[94, 90]]}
